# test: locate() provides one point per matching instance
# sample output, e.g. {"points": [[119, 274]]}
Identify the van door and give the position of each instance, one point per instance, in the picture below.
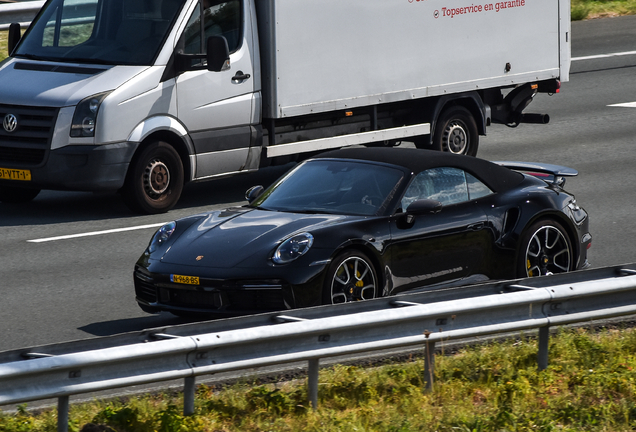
{"points": [[216, 107]]}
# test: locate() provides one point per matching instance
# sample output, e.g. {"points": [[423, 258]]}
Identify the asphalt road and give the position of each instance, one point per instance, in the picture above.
{"points": [[74, 288]]}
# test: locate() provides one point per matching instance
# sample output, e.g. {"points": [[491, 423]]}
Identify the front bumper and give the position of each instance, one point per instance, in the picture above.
{"points": [[78, 168], [228, 297]]}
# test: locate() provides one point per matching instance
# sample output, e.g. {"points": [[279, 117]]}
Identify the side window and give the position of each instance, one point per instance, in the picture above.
{"points": [[446, 185], [220, 18], [476, 189]]}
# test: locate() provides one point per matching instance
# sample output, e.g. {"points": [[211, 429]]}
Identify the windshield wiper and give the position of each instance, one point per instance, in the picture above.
{"points": [[34, 57], [85, 61]]}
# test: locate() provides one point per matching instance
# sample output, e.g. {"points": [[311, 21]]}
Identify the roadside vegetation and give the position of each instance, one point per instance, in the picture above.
{"points": [[581, 9], [586, 9], [3, 45], [590, 385]]}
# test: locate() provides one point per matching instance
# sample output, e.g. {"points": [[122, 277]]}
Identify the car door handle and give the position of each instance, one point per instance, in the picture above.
{"points": [[476, 226], [240, 76]]}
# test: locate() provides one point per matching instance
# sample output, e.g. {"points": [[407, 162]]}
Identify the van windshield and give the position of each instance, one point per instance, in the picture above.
{"points": [[126, 32]]}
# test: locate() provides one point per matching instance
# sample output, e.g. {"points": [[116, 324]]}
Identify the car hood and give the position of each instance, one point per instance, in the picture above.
{"points": [[57, 85], [234, 238]]}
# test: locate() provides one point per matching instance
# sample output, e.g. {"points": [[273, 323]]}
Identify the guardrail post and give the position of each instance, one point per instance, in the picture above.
{"points": [[312, 382], [429, 365], [189, 389], [544, 339], [62, 414]]}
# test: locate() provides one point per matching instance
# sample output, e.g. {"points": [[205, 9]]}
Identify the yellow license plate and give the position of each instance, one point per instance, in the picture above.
{"points": [[15, 174], [188, 280]]}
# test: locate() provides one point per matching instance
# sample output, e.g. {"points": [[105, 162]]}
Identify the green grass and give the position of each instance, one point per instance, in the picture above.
{"points": [[590, 385], [583, 9], [3, 45]]}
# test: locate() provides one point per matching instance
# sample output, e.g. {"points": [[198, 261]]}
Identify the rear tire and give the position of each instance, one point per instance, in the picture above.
{"points": [[456, 132], [545, 249], [155, 180], [16, 195]]}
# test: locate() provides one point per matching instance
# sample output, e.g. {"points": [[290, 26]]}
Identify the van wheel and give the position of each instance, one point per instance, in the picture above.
{"points": [[16, 195], [155, 180], [456, 132]]}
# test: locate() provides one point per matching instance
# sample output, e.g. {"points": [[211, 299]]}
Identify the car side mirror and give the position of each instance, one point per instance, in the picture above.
{"points": [[423, 206], [218, 54], [15, 33], [253, 193]]}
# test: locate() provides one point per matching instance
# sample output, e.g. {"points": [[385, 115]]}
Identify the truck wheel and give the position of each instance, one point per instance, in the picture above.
{"points": [[15, 195], [155, 180], [456, 132]]}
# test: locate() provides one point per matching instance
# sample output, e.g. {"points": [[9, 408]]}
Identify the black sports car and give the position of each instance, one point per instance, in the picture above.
{"points": [[359, 223]]}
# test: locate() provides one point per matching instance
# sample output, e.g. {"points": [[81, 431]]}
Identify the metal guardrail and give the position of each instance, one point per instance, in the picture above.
{"points": [[422, 319], [22, 13]]}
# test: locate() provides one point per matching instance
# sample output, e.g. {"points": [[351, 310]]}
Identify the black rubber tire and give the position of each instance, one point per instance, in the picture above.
{"points": [[16, 195], [545, 248], [456, 132], [345, 286], [155, 180]]}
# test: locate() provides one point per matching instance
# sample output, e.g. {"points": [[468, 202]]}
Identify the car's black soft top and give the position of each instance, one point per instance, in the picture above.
{"points": [[496, 177]]}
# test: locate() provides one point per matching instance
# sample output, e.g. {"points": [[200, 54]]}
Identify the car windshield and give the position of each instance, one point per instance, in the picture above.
{"points": [[121, 32], [333, 186]]}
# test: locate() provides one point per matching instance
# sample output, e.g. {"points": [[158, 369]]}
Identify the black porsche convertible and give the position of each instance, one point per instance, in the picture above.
{"points": [[359, 223]]}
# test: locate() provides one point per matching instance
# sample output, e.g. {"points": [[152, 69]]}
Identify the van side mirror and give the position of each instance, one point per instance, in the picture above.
{"points": [[253, 193], [423, 206], [15, 33], [218, 54]]}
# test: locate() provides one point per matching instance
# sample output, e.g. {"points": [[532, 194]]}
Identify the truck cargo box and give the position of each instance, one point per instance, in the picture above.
{"points": [[339, 54]]}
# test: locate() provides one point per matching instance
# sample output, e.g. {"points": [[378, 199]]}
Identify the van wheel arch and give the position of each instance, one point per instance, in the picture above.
{"points": [[155, 177]]}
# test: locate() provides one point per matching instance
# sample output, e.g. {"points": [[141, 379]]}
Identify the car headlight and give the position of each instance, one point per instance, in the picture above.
{"points": [[161, 236], [85, 116], [293, 248]]}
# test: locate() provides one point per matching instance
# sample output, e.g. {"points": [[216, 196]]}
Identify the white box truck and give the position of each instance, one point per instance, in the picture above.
{"points": [[144, 96]]}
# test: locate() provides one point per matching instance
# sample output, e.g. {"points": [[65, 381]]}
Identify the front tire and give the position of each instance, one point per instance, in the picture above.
{"points": [[545, 249], [155, 180], [456, 132], [351, 277], [17, 195]]}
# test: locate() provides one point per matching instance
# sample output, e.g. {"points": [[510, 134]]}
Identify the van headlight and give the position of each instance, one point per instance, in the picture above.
{"points": [[85, 117]]}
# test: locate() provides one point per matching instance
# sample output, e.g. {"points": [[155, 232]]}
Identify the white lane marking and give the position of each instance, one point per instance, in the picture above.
{"points": [[95, 233], [625, 105], [619, 54], [599, 56]]}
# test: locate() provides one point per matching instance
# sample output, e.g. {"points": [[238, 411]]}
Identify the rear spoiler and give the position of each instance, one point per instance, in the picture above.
{"points": [[554, 174]]}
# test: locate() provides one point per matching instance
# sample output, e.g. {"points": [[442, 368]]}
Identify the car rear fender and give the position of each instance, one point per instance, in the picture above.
{"points": [[561, 219]]}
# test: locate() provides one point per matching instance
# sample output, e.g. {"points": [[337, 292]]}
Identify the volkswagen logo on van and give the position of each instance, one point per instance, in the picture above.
{"points": [[10, 123]]}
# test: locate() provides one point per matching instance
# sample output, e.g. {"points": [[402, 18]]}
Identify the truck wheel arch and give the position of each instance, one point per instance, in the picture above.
{"points": [[155, 178], [472, 103], [171, 131], [158, 171]]}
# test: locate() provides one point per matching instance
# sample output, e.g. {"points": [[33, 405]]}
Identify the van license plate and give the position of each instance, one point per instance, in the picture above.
{"points": [[15, 174]]}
